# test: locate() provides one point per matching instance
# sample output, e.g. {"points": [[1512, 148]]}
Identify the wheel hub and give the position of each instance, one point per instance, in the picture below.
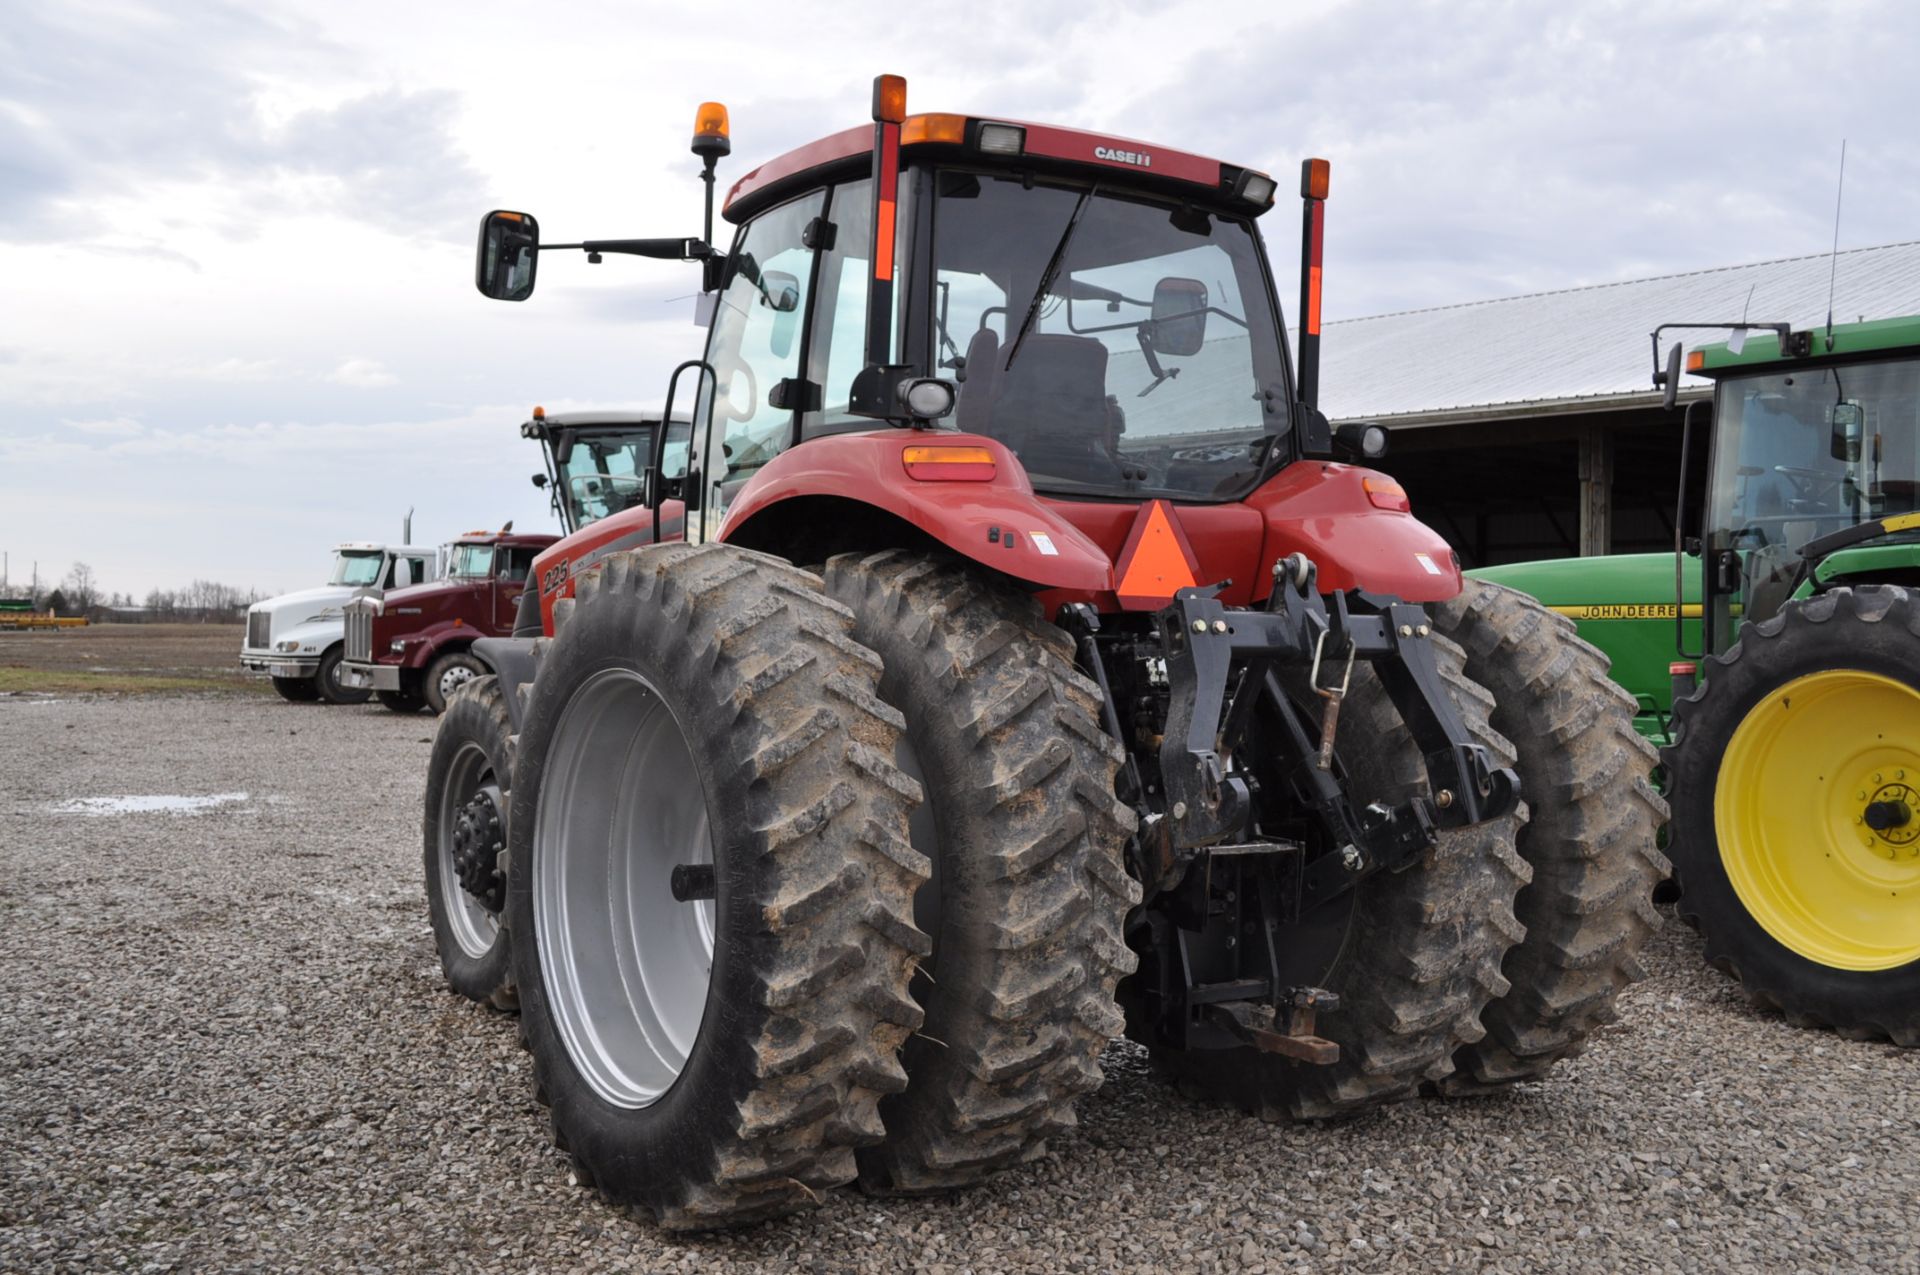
{"points": [[478, 838], [1817, 815]]}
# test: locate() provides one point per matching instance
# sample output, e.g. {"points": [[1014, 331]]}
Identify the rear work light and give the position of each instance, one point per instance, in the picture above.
{"points": [[1002, 139], [947, 463], [1386, 493], [1256, 188]]}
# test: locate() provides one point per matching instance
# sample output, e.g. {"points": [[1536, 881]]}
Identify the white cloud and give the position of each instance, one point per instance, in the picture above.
{"points": [[233, 371], [362, 374], [117, 427]]}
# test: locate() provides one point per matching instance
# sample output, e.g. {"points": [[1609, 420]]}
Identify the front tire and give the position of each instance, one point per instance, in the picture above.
{"points": [[297, 690], [447, 675], [1794, 735], [469, 797], [328, 682], [715, 1060], [1030, 889]]}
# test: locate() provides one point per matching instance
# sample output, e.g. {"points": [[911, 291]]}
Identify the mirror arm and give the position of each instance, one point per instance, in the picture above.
{"points": [[659, 249]]}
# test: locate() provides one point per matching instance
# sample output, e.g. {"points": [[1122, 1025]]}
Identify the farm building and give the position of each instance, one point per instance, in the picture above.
{"points": [[1529, 427]]}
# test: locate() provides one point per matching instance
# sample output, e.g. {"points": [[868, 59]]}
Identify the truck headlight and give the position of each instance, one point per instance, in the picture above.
{"points": [[397, 645], [291, 645]]}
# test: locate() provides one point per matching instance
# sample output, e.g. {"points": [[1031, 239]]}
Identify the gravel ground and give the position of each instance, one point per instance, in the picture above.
{"points": [[225, 1045]]}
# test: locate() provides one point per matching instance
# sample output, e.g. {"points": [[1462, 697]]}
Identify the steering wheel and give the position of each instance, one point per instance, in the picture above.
{"points": [[752, 398], [1808, 480]]}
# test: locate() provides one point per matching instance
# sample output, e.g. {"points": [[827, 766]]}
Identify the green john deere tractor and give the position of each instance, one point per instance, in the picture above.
{"points": [[1793, 744]]}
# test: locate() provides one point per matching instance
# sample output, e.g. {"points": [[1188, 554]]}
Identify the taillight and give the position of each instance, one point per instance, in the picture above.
{"points": [[936, 463], [1386, 493]]}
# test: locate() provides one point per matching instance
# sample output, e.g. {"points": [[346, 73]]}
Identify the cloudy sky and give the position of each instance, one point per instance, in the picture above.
{"points": [[237, 319]]}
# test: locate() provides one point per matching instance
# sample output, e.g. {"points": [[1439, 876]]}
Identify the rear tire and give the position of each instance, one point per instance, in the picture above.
{"points": [[328, 683], [297, 690], [401, 701], [1586, 775], [1030, 889], [448, 674], [754, 729], [1825, 916], [1421, 956], [472, 759]]}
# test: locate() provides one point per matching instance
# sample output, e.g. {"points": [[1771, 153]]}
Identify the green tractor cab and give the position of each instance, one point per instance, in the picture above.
{"points": [[1792, 671]]}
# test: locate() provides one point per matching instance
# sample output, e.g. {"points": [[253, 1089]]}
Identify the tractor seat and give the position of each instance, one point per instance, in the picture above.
{"points": [[1051, 409]]}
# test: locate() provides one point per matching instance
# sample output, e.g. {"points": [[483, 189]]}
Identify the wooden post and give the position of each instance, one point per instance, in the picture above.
{"points": [[1596, 491]]}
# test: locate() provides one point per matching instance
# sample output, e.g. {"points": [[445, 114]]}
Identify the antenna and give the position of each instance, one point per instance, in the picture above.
{"points": [[1833, 267]]}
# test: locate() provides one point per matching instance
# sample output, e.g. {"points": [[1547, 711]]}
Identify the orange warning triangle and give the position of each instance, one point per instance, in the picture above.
{"points": [[1156, 560]]}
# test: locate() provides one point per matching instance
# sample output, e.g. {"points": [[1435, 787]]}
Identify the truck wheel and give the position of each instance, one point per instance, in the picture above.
{"points": [[469, 797], [448, 674], [401, 701], [1414, 955], [297, 690], [1030, 889], [1586, 775], [1796, 812], [327, 680], [710, 886]]}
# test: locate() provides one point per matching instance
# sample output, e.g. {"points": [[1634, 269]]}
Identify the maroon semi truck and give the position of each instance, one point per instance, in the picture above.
{"points": [[413, 647]]}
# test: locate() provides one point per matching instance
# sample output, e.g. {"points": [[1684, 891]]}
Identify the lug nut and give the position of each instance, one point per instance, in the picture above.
{"points": [[1179, 810], [1443, 798], [1350, 858]]}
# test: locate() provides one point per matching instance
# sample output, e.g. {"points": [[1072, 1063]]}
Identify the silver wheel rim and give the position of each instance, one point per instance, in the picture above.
{"points": [[626, 966], [453, 679], [474, 928]]}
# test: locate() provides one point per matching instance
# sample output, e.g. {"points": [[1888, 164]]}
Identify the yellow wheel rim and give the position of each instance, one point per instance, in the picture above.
{"points": [[1817, 811]]}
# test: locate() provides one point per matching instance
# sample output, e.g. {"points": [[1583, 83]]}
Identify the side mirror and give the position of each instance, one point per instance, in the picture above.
{"points": [[508, 255], [540, 481], [1179, 316], [1849, 425], [1670, 382], [780, 292]]}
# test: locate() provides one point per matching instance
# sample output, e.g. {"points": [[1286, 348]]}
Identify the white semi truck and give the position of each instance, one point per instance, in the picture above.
{"points": [[298, 639]]}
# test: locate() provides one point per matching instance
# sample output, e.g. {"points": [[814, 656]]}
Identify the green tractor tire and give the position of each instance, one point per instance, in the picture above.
{"points": [[1795, 785]]}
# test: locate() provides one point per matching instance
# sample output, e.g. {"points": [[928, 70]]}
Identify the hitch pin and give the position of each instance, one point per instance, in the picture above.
{"points": [[1330, 718]]}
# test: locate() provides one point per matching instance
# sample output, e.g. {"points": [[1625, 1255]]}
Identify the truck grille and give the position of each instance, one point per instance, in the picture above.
{"points": [[259, 629], [359, 633]]}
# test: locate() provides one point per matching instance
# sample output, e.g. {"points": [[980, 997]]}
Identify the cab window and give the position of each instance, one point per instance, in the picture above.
{"points": [[755, 344]]}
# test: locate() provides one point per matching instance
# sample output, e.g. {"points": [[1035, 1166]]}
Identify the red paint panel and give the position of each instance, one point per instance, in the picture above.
{"points": [[554, 570], [1120, 153], [1323, 510], [867, 468]]}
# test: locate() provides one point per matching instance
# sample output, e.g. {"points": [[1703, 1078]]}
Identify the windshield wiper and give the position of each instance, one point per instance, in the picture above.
{"points": [[1048, 275]]}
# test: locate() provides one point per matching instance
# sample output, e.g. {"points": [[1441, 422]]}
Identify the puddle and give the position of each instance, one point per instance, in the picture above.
{"points": [[146, 805]]}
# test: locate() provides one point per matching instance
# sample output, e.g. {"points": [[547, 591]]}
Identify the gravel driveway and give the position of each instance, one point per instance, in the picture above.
{"points": [[225, 1044]]}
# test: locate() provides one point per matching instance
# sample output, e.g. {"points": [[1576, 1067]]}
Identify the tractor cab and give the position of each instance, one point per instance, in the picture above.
{"points": [[596, 460], [1815, 460]]}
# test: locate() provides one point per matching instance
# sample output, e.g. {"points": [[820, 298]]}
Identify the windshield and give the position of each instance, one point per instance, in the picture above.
{"points": [[1150, 365], [470, 561], [357, 568], [1803, 453], [601, 472]]}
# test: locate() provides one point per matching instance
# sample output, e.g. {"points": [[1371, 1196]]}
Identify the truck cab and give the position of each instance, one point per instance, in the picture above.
{"points": [[412, 646], [297, 639]]}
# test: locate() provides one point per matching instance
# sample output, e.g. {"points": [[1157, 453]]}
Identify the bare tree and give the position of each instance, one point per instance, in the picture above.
{"points": [[81, 590]]}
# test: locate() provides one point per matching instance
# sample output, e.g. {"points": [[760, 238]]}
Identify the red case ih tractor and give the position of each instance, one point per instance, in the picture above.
{"points": [[1019, 663]]}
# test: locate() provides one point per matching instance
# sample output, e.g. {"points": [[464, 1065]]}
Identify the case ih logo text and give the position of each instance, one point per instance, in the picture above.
{"points": [[1139, 159]]}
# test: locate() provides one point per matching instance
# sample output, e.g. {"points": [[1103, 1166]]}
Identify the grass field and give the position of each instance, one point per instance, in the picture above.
{"points": [[125, 659]]}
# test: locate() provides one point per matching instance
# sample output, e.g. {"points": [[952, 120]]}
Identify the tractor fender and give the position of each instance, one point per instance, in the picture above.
{"points": [[997, 522], [1325, 511]]}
